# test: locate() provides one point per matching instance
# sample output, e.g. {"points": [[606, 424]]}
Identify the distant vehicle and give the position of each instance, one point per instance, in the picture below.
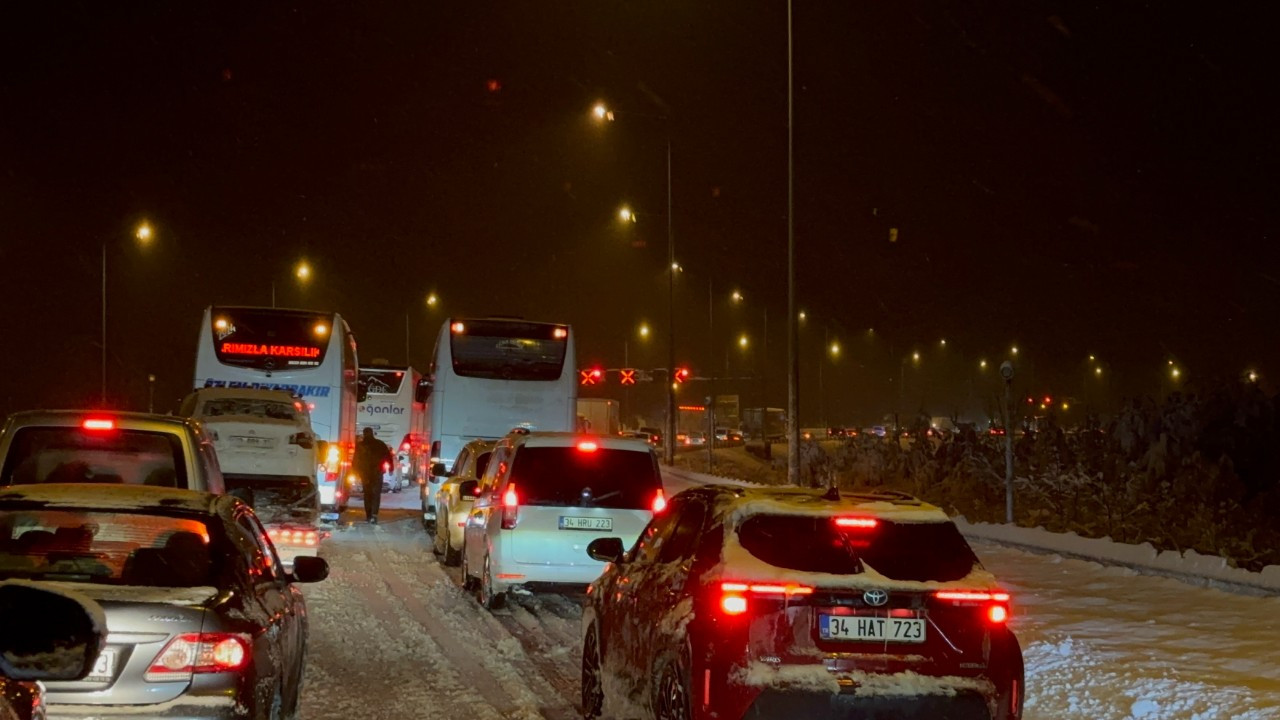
{"points": [[728, 435], [267, 451], [204, 620], [88, 446], [765, 424], [456, 496], [395, 406], [813, 433], [734, 595], [598, 416], [62, 637], [308, 353], [543, 497], [696, 439], [655, 435], [490, 375]]}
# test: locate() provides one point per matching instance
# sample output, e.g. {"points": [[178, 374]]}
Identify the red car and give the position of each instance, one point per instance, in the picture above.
{"points": [[790, 603]]}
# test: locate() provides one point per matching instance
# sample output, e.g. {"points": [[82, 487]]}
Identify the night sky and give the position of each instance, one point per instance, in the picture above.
{"points": [[1075, 180]]}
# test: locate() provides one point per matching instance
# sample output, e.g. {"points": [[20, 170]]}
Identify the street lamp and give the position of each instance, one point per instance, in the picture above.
{"points": [[743, 341], [626, 215], [602, 113], [303, 271], [143, 234], [644, 330], [737, 296], [432, 300]]}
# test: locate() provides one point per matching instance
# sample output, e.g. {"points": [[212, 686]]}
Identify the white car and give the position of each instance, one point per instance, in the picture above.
{"points": [[455, 498], [543, 499], [267, 451]]}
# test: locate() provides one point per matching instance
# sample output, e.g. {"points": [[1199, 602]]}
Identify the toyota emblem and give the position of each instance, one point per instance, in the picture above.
{"points": [[875, 598]]}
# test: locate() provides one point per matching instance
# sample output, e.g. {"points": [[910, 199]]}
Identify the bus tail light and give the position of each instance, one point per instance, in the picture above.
{"points": [[510, 507]]}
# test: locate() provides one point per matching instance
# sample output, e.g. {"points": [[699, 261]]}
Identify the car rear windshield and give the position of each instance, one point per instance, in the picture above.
{"points": [[507, 350], [268, 409], [568, 476], [105, 547], [75, 455], [900, 551]]}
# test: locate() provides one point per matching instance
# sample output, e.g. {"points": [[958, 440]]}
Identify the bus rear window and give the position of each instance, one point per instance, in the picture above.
{"points": [[75, 455], [560, 476], [382, 382], [504, 350], [270, 339], [899, 551]]}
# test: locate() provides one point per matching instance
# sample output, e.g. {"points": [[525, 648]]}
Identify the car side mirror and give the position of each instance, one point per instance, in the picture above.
{"points": [[606, 549], [437, 469], [468, 488], [54, 636], [309, 569]]}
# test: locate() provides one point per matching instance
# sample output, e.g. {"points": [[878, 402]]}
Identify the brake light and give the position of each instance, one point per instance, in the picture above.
{"points": [[510, 507], [659, 502], [733, 597], [861, 523], [588, 446], [199, 653], [386, 466], [404, 446], [458, 328], [997, 614], [560, 333], [98, 424], [333, 457], [294, 536], [996, 602]]}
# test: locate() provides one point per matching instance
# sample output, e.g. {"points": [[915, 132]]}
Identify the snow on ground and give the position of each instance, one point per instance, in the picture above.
{"points": [[393, 635]]}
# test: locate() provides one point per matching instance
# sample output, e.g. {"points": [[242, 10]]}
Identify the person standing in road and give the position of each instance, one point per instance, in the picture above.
{"points": [[370, 454]]}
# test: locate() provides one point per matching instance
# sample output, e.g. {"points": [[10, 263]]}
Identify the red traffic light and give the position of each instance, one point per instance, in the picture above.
{"points": [[592, 376], [627, 376], [682, 374]]}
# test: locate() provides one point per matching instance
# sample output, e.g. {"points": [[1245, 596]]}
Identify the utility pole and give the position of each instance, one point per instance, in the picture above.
{"points": [[711, 394], [1006, 371], [151, 393], [793, 329]]}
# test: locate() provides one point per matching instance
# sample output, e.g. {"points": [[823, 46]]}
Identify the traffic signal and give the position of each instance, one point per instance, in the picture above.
{"points": [[592, 376], [682, 374], [627, 376]]}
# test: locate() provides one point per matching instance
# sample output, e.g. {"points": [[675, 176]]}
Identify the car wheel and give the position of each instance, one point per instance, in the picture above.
{"points": [[488, 599], [468, 583], [428, 525], [451, 556], [592, 685], [437, 548], [671, 692]]}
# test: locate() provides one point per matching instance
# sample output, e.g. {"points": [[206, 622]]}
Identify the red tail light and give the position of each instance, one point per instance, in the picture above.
{"points": [[510, 507], [659, 502], [404, 446], [588, 446], [98, 424], [734, 595], [386, 466], [200, 653], [994, 602]]}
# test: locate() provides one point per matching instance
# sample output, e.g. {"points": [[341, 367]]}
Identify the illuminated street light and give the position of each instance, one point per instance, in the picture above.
{"points": [[602, 113], [737, 297], [1092, 358], [1014, 350], [644, 330], [303, 271], [1175, 373], [982, 364], [803, 316], [676, 267], [943, 342], [1066, 406], [1097, 371], [742, 341], [433, 300], [835, 349], [625, 215], [1252, 375], [915, 357], [143, 233]]}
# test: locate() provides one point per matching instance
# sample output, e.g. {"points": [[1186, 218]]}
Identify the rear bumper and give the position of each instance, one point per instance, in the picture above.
{"points": [[187, 708], [791, 704], [533, 575]]}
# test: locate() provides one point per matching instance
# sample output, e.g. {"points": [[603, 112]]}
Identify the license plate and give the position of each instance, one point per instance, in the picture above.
{"points": [[585, 523], [104, 668], [254, 441], [870, 628]]}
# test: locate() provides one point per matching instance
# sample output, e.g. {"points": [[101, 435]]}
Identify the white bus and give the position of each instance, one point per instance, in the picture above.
{"points": [[490, 376], [395, 407], [309, 353]]}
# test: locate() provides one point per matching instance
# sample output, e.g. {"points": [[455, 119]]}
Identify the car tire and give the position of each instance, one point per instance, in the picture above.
{"points": [[671, 688], [592, 683], [428, 525], [485, 595], [451, 557], [468, 583]]}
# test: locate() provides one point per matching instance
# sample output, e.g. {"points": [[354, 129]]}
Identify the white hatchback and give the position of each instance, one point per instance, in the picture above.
{"points": [[543, 498]]}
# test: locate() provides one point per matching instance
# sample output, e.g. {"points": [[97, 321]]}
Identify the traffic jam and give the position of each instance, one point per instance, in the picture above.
{"points": [[201, 543]]}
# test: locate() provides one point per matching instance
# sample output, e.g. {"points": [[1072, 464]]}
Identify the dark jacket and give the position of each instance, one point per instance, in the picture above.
{"points": [[370, 454]]}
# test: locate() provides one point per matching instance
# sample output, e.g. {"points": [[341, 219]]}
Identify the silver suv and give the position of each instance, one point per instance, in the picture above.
{"points": [[87, 446]]}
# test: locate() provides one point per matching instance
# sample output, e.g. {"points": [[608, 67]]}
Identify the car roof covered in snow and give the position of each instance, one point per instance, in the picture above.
{"points": [[568, 439], [90, 496], [889, 505]]}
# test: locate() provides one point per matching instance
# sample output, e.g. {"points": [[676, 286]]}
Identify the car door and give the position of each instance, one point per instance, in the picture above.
{"points": [[626, 624], [475, 534], [278, 603], [663, 599], [444, 496]]}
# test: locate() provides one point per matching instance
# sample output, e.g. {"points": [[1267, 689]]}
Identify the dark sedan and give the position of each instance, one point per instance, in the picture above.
{"points": [[202, 619]]}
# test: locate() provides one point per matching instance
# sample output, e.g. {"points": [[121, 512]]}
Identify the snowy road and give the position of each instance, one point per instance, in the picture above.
{"points": [[394, 636]]}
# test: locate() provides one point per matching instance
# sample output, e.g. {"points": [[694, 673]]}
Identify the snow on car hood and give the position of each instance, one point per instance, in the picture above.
{"points": [[184, 596]]}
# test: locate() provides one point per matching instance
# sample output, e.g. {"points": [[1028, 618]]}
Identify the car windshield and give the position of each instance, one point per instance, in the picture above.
{"points": [[899, 551], [507, 350], [105, 547], [75, 455], [268, 409], [604, 477]]}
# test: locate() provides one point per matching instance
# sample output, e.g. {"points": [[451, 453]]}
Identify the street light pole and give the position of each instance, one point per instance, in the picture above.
{"points": [[103, 398], [793, 330], [669, 443]]}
